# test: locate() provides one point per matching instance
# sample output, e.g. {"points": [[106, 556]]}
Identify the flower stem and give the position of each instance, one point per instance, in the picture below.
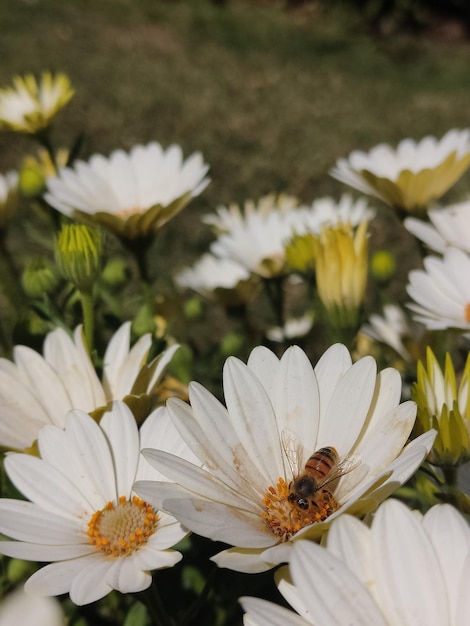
{"points": [[450, 476], [152, 600], [87, 300], [274, 288]]}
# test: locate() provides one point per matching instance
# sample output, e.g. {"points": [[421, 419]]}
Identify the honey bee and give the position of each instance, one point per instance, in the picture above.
{"points": [[308, 488]]}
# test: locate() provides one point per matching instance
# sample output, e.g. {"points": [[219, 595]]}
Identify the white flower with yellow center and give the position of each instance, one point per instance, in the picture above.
{"points": [[405, 570], [36, 390], [30, 105], [245, 492], [410, 176], [83, 517], [131, 193], [441, 292], [450, 226]]}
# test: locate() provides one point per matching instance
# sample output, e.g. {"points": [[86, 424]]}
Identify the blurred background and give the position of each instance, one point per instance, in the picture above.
{"points": [[271, 92]]}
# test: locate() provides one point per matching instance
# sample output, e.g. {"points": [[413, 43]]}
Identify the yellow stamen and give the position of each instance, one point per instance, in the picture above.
{"points": [[284, 518], [119, 529]]}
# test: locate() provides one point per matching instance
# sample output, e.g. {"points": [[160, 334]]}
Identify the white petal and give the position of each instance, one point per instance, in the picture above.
{"points": [[450, 535], [90, 583], [253, 418], [342, 420], [126, 578], [406, 569], [56, 578], [219, 522], [336, 597], [329, 370], [350, 540], [45, 486], [297, 403], [25, 521], [212, 437], [265, 613], [91, 454], [246, 560], [45, 553], [123, 436], [198, 481]]}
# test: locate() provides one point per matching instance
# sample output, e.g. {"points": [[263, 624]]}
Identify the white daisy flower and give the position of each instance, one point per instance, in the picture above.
{"points": [[30, 105], [406, 569], [441, 292], [36, 390], [210, 273], [257, 242], [413, 174], [25, 610], [226, 219], [133, 194], [390, 329], [450, 226], [83, 516], [278, 413]]}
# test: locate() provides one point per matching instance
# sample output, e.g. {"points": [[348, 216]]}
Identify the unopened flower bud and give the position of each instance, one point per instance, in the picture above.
{"points": [[78, 254], [383, 265], [39, 278]]}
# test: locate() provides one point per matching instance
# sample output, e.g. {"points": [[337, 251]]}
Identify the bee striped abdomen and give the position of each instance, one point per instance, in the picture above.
{"points": [[321, 463]]}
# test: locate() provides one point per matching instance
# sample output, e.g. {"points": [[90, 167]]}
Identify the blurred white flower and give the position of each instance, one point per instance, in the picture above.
{"points": [[132, 193], [406, 569], [390, 329], [294, 328], [450, 226], [278, 413], [413, 174], [36, 390], [255, 238], [210, 273], [29, 105], [83, 517], [21, 609], [226, 219], [8, 197], [329, 212], [441, 292]]}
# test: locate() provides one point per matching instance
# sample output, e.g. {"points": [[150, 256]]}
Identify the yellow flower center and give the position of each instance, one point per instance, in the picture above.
{"points": [[119, 529], [284, 518]]}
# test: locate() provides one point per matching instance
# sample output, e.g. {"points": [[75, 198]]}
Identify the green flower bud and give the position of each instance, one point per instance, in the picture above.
{"points": [[383, 265], [78, 254], [193, 308], [39, 278], [115, 272], [445, 406]]}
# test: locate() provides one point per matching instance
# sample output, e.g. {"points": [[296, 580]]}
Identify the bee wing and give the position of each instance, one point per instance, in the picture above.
{"points": [[293, 450], [345, 465]]}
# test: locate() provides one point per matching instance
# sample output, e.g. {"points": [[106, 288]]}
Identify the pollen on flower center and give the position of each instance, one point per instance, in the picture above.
{"points": [[284, 518], [119, 529]]}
